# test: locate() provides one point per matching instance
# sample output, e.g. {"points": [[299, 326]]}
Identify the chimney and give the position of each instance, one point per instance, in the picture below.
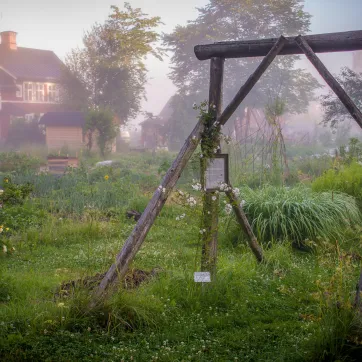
{"points": [[8, 39]]}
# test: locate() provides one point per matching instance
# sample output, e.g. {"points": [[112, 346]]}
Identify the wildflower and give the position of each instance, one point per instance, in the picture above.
{"points": [[5, 249], [7, 229], [1, 229], [242, 203], [191, 201], [1, 191], [228, 209], [106, 177], [197, 186], [13, 249], [213, 198], [236, 191], [60, 305], [89, 329], [177, 218], [6, 180], [202, 231], [201, 155], [194, 138]]}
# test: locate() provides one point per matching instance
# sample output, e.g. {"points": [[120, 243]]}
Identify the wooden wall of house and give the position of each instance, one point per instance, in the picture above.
{"points": [[57, 137]]}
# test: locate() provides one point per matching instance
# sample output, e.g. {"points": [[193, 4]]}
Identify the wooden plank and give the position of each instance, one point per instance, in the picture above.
{"points": [[211, 199], [320, 43], [243, 221], [252, 80], [144, 224], [330, 80]]}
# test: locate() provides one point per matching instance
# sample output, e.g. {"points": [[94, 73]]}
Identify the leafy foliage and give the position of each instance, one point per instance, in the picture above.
{"points": [[14, 194], [222, 20], [334, 111], [347, 179], [19, 162], [298, 214], [110, 68], [100, 124]]}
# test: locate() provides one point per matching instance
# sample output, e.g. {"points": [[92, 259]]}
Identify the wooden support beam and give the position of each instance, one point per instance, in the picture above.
{"points": [[211, 199], [330, 80], [140, 231], [320, 43], [243, 221], [252, 80]]}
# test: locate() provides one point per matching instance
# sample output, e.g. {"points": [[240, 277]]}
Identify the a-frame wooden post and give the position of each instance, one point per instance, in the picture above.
{"points": [[211, 199]]}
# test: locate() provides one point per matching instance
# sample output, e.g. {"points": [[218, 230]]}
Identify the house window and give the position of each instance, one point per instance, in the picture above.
{"points": [[39, 92], [52, 93], [28, 91], [19, 91]]}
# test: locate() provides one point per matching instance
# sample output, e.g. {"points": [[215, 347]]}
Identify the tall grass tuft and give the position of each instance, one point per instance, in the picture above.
{"points": [[280, 213]]}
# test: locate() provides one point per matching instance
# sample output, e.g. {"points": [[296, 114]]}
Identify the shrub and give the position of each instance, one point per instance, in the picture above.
{"points": [[14, 161], [280, 213], [14, 194], [347, 179]]}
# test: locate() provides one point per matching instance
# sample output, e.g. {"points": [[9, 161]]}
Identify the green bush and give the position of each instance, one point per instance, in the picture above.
{"points": [[14, 194], [347, 179], [14, 161], [280, 213]]}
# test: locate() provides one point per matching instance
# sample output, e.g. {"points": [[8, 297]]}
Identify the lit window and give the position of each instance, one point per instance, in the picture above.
{"points": [[39, 92], [28, 91], [52, 93]]}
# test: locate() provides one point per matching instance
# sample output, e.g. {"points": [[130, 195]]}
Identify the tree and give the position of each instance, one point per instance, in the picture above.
{"points": [[109, 70], [228, 20], [100, 125], [334, 111]]}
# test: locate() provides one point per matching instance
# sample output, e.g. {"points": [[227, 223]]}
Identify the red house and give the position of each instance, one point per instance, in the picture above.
{"points": [[29, 81]]}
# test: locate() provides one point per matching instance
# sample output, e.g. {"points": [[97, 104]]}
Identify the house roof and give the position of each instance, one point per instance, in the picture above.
{"points": [[63, 119], [6, 81], [31, 64]]}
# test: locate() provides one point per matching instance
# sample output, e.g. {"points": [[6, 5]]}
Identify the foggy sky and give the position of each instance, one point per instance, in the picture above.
{"points": [[59, 25]]}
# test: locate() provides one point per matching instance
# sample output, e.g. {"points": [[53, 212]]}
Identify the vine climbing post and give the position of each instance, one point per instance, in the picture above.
{"points": [[211, 199]]}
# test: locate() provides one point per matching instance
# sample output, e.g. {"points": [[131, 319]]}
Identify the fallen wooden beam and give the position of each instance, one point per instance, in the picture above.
{"points": [[140, 231], [330, 80], [244, 223], [252, 80], [320, 43]]}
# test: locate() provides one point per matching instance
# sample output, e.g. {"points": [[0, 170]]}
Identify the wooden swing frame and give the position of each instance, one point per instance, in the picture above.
{"points": [[218, 52]]}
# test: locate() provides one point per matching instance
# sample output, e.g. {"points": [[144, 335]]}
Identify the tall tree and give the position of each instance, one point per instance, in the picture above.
{"points": [[230, 20], [109, 70], [334, 111]]}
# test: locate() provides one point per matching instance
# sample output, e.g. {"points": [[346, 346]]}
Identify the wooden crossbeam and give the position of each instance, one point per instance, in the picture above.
{"points": [[244, 223], [320, 43], [144, 224], [252, 80], [330, 80]]}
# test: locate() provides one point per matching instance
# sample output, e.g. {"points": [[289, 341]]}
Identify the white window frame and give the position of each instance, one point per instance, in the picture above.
{"points": [[28, 87], [19, 91]]}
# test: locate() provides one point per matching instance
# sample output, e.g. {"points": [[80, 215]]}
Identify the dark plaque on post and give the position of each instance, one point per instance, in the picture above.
{"points": [[217, 172]]}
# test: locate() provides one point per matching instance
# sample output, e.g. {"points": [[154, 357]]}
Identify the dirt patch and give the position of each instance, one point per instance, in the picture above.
{"points": [[133, 279]]}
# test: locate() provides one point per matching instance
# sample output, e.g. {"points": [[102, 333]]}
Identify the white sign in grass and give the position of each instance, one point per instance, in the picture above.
{"points": [[202, 277]]}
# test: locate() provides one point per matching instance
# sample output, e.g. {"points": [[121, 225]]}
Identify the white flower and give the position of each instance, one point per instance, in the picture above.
{"points": [[177, 218], [202, 231], [1, 191], [197, 186], [5, 249], [236, 191], [228, 209], [191, 201], [201, 155], [213, 198], [164, 190], [194, 138], [242, 203]]}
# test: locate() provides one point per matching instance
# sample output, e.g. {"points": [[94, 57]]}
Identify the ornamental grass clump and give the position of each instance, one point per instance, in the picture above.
{"points": [[298, 214]]}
